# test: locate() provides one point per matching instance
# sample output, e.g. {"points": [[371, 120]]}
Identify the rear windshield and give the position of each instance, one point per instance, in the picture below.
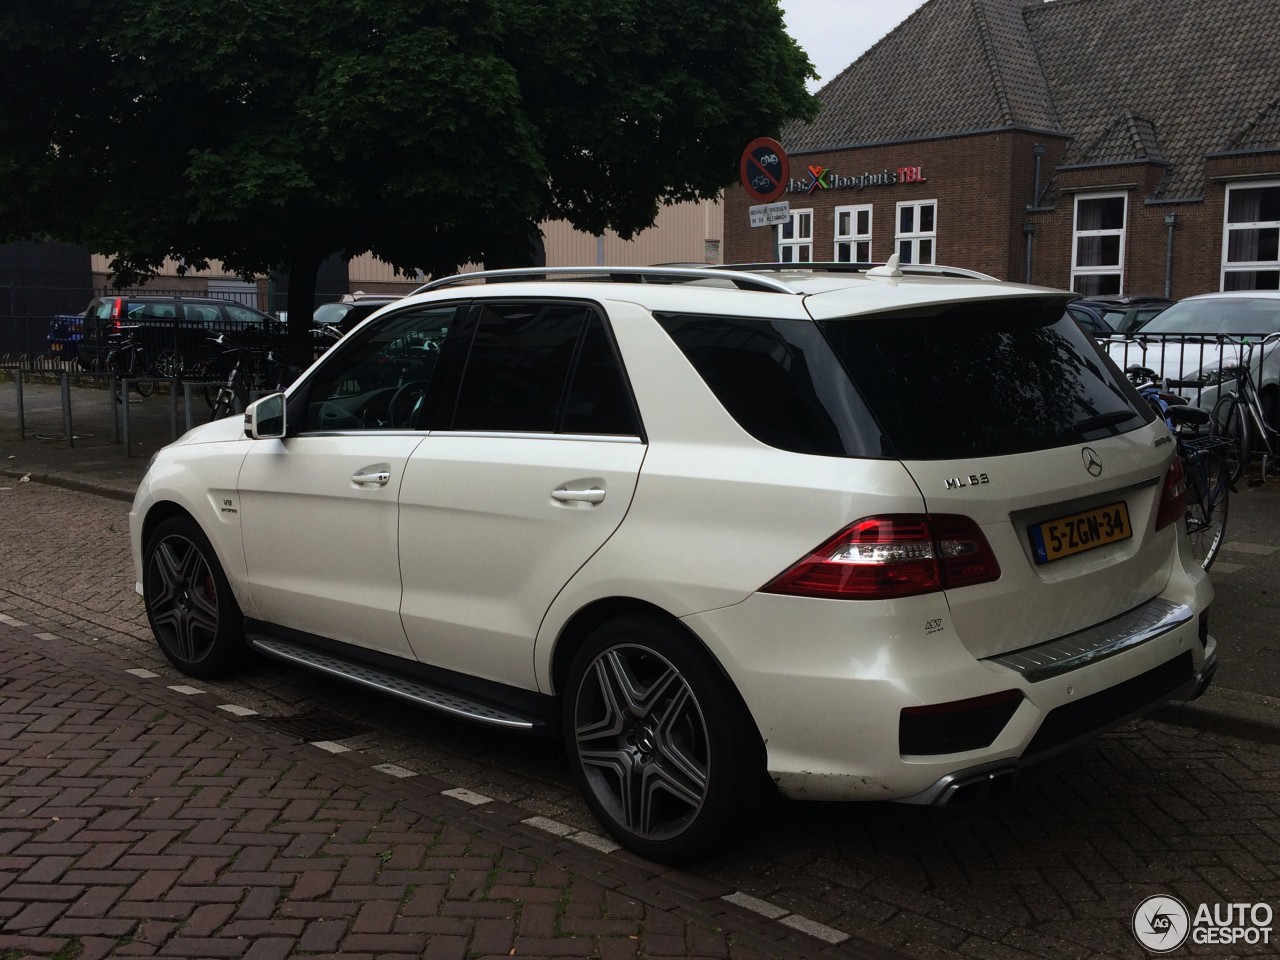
{"points": [[984, 379], [1230, 315]]}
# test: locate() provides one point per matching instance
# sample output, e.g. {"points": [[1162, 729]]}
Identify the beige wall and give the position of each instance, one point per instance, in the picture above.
{"points": [[681, 234], [684, 233]]}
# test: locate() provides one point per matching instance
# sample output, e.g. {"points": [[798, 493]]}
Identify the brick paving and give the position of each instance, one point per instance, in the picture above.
{"points": [[135, 822], [1054, 871]]}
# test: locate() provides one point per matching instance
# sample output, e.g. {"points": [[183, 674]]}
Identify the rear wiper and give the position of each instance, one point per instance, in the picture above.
{"points": [[1101, 420]]}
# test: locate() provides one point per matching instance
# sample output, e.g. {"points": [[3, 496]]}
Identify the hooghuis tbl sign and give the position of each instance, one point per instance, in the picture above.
{"points": [[824, 178]]}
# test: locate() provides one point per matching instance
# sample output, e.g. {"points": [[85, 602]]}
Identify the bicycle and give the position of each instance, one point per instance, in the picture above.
{"points": [[253, 369], [1204, 464], [127, 360], [1239, 416]]}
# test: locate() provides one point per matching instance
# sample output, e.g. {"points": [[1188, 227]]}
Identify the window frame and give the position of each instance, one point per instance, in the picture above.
{"points": [[1099, 270], [1245, 266], [468, 328], [797, 241], [853, 238], [915, 236]]}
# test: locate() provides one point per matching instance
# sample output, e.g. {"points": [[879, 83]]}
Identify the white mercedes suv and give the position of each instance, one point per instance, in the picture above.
{"points": [[881, 534]]}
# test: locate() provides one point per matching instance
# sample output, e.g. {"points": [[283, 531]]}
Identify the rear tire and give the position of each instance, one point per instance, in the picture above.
{"points": [[1229, 421], [1208, 497], [661, 745]]}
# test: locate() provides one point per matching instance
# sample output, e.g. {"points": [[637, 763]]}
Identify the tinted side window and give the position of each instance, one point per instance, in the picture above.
{"points": [[199, 314], [780, 381], [984, 379], [380, 380], [243, 314], [599, 399], [518, 366]]}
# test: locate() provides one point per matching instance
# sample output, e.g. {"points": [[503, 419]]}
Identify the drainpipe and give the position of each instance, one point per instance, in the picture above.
{"points": [[1169, 220], [1038, 151], [1029, 229]]}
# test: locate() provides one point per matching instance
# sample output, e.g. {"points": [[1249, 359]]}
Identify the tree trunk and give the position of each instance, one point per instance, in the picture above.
{"points": [[303, 270]]}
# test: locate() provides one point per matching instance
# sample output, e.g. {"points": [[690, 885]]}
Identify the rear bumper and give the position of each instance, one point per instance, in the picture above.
{"points": [[829, 697], [996, 779]]}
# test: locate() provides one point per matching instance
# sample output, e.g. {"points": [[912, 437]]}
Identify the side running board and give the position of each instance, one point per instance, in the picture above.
{"points": [[417, 691]]}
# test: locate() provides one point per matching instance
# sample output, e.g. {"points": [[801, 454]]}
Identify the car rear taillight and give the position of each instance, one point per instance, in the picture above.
{"points": [[897, 555], [1173, 496]]}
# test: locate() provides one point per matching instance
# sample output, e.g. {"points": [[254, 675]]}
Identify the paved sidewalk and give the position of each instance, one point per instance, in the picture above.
{"points": [[138, 820]]}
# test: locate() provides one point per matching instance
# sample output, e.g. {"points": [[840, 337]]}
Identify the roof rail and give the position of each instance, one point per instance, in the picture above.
{"points": [[921, 269], [743, 280]]}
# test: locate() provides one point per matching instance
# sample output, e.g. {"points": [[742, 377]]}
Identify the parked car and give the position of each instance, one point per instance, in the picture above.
{"points": [[345, 314], [176, 331], [1185, 343], [1119, 314], [1090, 320], [65, 336], [879, 535]]}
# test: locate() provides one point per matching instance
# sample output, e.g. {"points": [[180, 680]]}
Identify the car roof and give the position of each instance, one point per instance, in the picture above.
{"points": [[168, 298], [809, 290], [1236, 295]]}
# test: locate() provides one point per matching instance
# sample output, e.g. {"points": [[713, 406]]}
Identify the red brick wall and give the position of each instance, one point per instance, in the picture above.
{"points": [[984, 185]]}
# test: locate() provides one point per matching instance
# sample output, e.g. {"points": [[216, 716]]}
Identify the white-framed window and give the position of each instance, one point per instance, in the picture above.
{"points": [[917, 231], [1251, 237], [795, 238], [853, 234], [1097, 244]]}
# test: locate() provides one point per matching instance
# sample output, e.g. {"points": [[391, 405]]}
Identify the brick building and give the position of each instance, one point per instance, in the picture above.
{"points": [[1105, 146]]}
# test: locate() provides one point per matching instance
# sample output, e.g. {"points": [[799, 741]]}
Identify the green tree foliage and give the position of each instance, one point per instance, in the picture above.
{"points": [[271, 133]]}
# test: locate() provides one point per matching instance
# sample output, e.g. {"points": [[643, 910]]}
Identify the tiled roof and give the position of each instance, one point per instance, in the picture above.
{"points": [[1162, 80], [1127, 138], [952, 65]]}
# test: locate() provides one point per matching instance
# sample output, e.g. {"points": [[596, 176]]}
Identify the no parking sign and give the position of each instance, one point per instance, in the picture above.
{"points": [[764, 169]]}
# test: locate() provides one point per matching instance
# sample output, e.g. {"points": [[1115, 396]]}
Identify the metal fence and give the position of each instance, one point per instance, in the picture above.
{"points": [[46, 339]]}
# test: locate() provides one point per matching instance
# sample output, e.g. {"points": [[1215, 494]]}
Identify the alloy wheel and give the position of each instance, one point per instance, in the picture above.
{"points": [[642, 741], [182, 598]]}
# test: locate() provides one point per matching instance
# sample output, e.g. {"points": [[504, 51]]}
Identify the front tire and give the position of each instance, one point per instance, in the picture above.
{"points": [[193, 614], [662, 747]]}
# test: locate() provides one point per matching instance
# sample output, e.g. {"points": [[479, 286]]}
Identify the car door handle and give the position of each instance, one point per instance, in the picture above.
{"points": [[592, 495], [379, 477]]}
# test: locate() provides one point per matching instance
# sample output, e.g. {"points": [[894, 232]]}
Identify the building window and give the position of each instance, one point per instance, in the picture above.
{"points": [[795, 238], [1251, 238], [917, 231], [1097, 247], [853, 234]]}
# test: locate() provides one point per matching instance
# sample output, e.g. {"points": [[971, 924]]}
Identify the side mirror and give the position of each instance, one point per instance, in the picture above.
{"points": [[264, 419]]}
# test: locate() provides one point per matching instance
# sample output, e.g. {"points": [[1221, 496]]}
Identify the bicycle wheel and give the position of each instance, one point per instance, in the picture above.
{"points": [[1230, 421], [116, 369], [145, 371], [224, 405], [1208, 497]]}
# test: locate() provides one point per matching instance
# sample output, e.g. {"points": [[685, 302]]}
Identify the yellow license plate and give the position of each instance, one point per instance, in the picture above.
{"points": [[55, 347], [1055, 539]]}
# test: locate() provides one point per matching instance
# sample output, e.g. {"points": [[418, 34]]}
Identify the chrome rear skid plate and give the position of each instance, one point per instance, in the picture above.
{"points": [[1064, 654]]}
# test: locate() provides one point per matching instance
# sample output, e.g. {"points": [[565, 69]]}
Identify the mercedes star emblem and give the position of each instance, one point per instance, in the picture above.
{"points": [[1092, 462]]}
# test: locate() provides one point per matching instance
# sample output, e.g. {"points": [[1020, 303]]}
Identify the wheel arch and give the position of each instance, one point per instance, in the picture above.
{"points": [[581, 624], [232, 566]]}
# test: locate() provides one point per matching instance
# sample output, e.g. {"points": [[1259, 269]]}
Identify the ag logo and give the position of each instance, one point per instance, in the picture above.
{"points": [[1161, 923]]}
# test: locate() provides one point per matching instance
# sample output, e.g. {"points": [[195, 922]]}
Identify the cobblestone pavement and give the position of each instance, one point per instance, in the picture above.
{"points": [[1056, 870]]}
